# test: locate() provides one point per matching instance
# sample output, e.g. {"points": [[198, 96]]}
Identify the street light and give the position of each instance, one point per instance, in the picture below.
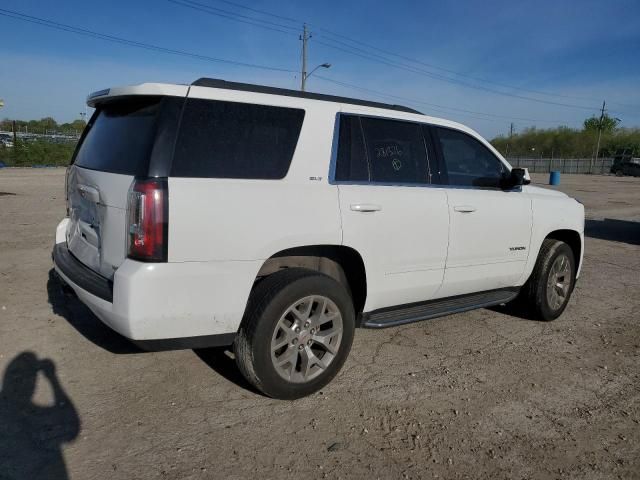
{"points": [[307, 75]]}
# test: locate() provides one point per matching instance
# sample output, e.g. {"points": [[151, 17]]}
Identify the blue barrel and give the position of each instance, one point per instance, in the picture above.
{"points": [[554, 178]]}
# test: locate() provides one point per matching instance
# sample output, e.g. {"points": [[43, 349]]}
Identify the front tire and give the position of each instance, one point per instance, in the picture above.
{"points": [[296, 333], [548, 290]]}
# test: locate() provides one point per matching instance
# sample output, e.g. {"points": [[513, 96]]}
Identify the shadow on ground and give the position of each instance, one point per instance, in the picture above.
{"points": [[32, 435], [84, 321], [90, 327], [219, 360], [624, 231], [516, 309]]}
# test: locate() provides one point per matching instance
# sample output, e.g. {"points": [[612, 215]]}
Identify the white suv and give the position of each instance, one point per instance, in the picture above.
{"points": [[221, 213]]}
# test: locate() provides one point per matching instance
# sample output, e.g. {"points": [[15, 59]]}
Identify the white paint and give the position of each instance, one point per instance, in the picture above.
{"points": [[481, 236], [403, 245], [417, 243]]}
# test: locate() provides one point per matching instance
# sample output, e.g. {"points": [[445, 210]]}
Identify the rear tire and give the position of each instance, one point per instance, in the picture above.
{"points": [[548, 290], [296, 333]]}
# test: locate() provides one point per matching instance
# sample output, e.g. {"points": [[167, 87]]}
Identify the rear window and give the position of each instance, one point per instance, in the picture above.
{"points": [[235, 140], [120, 137], [396, 151], [381, 150]]}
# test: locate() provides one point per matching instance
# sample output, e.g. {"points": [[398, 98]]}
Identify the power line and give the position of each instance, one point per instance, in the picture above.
{"points": [[428, 65], [133, 43], [277, 27], [437, 108], [433, 105], [453, 72], [262, 12], [269, 25], [364, 54], [422, 72]]}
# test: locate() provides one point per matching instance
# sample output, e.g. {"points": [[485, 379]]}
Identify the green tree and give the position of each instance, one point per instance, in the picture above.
{"points": [[607, 124], [565, 142], [39, 126]]}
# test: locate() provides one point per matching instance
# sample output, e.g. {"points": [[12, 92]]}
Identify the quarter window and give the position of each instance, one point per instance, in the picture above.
{"points": [[351, 164], [235, 140], [468, 162]]}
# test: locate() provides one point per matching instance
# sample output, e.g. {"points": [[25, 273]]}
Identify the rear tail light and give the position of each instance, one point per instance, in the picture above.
{"points": [[147, 214]]}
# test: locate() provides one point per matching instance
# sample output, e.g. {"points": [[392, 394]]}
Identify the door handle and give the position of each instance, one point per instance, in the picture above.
{"points": [[365, 207], [465, 209]]}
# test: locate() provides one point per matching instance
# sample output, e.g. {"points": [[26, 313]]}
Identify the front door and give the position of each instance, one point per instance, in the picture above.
{"points": [[490, 228]]}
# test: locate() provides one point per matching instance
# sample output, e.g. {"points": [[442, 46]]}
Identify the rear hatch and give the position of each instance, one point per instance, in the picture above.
{"points": [[127, 138]]}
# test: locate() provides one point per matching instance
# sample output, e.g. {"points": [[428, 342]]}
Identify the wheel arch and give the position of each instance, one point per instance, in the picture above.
{"points": [[340, 262], [574, 240], [571, 236]]}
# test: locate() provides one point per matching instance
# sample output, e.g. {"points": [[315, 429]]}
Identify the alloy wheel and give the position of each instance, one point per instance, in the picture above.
{"points": [[306, 338]]}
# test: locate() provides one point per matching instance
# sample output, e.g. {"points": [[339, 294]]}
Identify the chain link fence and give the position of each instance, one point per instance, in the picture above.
{"points": [[563, 165]]}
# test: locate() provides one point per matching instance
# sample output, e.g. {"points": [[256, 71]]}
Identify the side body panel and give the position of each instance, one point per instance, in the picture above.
{"points": [[237, 219], [403, 244], [488, 240], [234, 225], [172, 300], [552, 211]]}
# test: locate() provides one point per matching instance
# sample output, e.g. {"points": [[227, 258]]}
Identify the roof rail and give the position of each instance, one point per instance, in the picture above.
{"points": [[248, 87]]}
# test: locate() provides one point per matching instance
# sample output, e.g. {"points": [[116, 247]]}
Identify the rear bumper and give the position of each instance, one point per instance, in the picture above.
{"points": [[85, 278], [163, 306]]}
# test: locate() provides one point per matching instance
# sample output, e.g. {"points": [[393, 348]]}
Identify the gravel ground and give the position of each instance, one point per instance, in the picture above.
{"points": [[474, 395]]}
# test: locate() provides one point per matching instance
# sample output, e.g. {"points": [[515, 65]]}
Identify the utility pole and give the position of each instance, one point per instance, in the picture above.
{"points": [[599, 135], [305, 38], [510, 139]]}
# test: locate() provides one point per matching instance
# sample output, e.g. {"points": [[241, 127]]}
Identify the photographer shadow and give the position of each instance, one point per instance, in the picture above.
{"points": [[33, 435]]}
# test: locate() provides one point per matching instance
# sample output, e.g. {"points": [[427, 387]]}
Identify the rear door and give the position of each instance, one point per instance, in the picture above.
{"points": [[390, 213], [117, 146], [490, 228]]}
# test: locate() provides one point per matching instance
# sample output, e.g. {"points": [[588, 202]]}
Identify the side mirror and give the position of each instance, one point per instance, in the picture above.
{"points": [[517, 178]]}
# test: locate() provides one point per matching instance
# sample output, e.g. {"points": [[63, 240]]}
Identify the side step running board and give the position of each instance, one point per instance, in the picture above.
{"points": [[414, 312]]}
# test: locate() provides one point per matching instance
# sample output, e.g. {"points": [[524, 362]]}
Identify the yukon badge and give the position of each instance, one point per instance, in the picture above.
{"points": [[513, 249]]}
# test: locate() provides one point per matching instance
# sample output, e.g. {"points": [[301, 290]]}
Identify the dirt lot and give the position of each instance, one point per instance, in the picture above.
{"points": [[475, 395]]}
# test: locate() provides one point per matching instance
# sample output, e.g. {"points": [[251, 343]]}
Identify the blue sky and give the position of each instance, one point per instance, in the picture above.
{"points": [[581, 51]]}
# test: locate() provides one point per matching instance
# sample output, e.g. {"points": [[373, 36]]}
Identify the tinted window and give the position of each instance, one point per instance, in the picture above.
{"points": [[235, 140], [395, 150], [468, 162], [351, 163], [120, 137]]}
